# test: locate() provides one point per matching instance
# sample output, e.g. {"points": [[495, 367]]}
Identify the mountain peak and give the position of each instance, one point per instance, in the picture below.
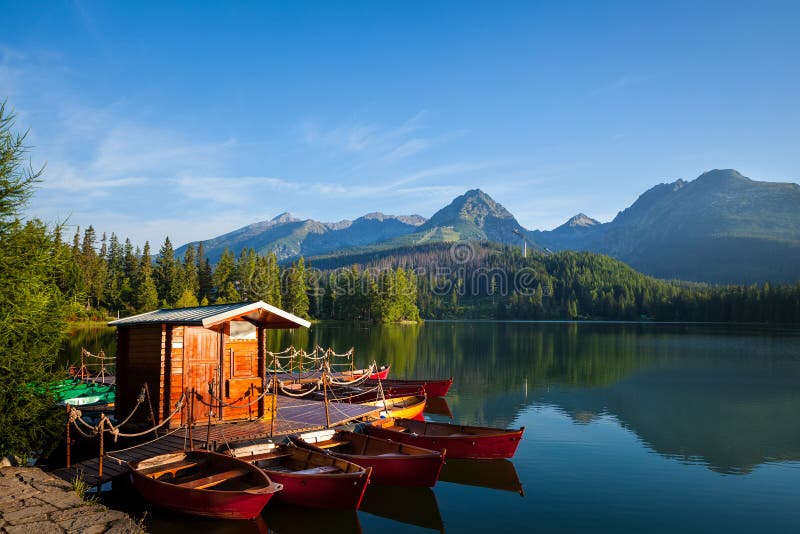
{"points": [[477, 204], [721, 177], [473, 216], [581, 220], [284, 218]]}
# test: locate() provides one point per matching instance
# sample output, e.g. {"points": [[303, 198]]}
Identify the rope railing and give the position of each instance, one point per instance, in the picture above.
{"points": [[101, 356], [283, 389], [116, 433], [372, 368], [267, 389], [105, 425]]}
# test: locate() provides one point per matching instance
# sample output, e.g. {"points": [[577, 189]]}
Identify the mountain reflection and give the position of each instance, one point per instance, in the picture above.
{"points": [[726, 396]]}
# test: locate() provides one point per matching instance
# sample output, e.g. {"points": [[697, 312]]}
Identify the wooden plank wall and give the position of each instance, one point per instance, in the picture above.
{"points": [[174, 383], [140, 359], [241, 377]]}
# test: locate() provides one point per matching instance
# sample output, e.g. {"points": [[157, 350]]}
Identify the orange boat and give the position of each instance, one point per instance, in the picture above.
{"points": [[409, 407]]}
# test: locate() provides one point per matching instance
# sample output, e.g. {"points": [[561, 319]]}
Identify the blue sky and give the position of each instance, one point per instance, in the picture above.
{"points": [[193, 119]]}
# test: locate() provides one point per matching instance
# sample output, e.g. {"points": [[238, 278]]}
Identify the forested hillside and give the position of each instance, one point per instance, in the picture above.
{"points": [[458, 280]]}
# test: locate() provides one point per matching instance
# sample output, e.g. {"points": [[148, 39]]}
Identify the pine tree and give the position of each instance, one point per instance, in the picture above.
{"points": [[295, 297], [166, 275], [93, 267], [244, 273], [204, 274], [191, 278], [265, 281], [33, 308], [146, 292], [224, 280]]}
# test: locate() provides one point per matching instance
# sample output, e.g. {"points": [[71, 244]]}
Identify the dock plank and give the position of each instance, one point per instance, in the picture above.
{"points": [[293, 416]]}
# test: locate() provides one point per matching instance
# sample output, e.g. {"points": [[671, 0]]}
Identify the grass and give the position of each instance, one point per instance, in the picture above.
{"points": [[81, 488]]}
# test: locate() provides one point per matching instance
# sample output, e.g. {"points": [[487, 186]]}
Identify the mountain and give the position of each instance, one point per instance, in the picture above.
{"points": [[289, 237], [473, 216], [572, 235], [721, 227]]}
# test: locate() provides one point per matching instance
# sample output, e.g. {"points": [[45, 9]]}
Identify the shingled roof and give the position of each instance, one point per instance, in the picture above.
{"points": [[259, 313]]}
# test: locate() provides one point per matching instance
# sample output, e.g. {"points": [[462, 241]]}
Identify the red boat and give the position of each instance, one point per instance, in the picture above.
{"points": [[309, 478], [432, 388], [392, 463], [363, 394], [460, 441], [203, 483]]}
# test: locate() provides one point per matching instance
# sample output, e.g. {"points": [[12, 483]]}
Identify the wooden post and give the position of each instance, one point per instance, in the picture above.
{"points": [[191, 421], [274, 396], [150, 403], [69, 446], [250, 403], [100, 460], [208, 431], [325, 394]]}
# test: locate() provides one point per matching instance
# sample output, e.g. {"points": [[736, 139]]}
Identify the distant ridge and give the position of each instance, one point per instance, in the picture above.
{"points": [[721, 227]]}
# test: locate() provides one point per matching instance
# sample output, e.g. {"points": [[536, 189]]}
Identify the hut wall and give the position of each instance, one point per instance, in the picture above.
{"points": [[172, 387], [242, 372], [201, 351], [140, 360]]}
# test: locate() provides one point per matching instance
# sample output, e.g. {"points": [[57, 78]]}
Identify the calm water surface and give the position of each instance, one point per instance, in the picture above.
{"points": [[632, 427]]}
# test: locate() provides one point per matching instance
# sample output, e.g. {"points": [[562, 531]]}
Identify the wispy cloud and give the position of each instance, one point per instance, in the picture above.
{"points": [[387, 143]]}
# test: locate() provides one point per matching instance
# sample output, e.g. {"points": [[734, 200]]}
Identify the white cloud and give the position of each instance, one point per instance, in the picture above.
{"points": [[376, 143]]}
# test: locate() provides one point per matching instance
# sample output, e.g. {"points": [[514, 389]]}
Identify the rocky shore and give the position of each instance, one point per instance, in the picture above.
{"points": [[32, 501]]}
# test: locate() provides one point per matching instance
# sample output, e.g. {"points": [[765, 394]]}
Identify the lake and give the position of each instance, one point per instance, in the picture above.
{"points": [[634, 427]]}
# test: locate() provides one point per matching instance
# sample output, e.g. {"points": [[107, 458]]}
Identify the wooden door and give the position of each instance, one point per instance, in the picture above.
{"points": [[201, 367]]}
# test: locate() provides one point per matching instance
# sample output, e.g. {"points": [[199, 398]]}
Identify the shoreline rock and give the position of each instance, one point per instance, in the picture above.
{"points": [[32, 501]]}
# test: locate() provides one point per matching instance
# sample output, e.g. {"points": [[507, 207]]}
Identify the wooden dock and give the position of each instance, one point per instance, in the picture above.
{"points": [[294, 415]]}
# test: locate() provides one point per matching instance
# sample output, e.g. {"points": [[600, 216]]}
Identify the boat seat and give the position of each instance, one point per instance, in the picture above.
{"points": [[171, 468], [321, 470], [213, 480], [264, 456], [330, 444]]}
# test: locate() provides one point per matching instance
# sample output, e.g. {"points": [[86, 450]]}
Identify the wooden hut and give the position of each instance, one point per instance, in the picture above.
{"points": [[213, 354]]}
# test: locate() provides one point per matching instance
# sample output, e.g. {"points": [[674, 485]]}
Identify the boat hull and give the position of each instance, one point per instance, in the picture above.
{"points": [[402, 407], [401, 470], [338, 492], [392, 464], [503, 444], [432, 388], [310, 478], [242, 504]]}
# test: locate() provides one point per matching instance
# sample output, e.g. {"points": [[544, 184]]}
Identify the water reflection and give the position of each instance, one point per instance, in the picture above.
{"points": [[492, 474], [287, 519], [438, 406], [409, 505], [723, 396]]}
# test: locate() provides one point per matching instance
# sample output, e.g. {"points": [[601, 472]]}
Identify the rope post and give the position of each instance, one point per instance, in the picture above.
{"points": [[102, 452], [325, 394], [191, 421], [274, 395], [208, 431], [150, 403], [250, 404], [380, 387], [69, 446]]}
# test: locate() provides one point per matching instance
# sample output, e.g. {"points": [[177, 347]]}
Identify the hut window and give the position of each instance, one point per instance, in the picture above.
{"points": [[243, 330]]}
